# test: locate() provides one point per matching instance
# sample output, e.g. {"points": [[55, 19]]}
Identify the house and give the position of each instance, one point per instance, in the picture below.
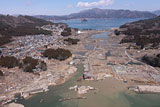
{"points": [[87, 75]]}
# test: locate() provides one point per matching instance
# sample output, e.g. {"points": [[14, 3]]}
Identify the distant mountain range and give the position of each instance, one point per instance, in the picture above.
{"points": [[101, 13], [157, 12]]}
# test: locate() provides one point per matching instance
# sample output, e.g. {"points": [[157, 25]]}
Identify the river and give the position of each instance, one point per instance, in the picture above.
{"points": [[109, 93]]}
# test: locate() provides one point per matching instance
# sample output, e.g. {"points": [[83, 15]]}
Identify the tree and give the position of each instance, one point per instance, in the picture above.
{"points": [[8, 61], [29, 64], [43, 66], [66, 32], [152, 60], [58, 54], [116, 32], [72, 41], [1, 73]]}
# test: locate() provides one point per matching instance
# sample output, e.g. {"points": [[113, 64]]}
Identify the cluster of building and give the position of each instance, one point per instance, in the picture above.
{"points": [[55, 28], [32, 45]]}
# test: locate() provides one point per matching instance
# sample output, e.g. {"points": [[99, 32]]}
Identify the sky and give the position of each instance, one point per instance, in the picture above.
{"points": [[64, 7]]}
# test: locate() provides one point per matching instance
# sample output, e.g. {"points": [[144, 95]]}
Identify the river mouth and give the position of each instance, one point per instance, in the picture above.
{"points": [[109, 93], [50, 98]]}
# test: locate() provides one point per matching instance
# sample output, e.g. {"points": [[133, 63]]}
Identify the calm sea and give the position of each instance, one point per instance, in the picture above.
{"points": [[99, 24]]}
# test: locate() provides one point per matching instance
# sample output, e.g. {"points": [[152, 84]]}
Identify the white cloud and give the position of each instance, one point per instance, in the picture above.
{"points": [[95, 4]]}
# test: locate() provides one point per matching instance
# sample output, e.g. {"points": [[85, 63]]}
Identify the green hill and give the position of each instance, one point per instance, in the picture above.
{"points": [[143, 32]]}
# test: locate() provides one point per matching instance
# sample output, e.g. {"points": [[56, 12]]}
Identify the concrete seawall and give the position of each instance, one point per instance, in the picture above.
{"points": [[145, 89]]}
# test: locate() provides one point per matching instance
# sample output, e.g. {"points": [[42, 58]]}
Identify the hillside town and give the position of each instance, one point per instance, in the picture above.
{"points": [[33, 45], [29, 46]]}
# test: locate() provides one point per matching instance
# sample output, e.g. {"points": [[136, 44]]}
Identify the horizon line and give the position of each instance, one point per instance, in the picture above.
{"points": [[18, 14]]}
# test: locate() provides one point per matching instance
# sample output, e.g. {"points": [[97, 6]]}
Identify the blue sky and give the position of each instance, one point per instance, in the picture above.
{"points": [[62, 7]]}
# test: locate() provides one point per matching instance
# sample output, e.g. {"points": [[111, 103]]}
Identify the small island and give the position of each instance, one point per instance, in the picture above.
{"points": [[84, 20]]}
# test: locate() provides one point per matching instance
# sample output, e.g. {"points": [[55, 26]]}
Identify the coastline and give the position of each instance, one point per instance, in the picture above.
{"points": [[95, 61], [39, 85]]}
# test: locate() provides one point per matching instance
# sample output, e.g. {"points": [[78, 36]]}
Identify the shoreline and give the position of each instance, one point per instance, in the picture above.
{"points": [[27, 90], [34, 88]]}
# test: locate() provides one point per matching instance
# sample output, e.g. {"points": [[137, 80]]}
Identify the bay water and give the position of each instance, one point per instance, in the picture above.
{"points": [[99, 24]]}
